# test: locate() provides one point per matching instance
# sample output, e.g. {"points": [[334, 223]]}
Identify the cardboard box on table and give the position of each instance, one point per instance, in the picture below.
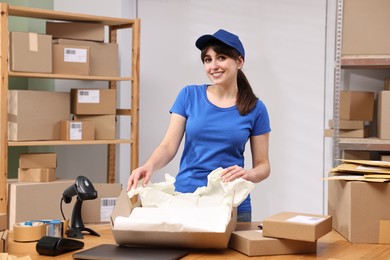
{"points": [[36, 115], [297, 226], [248, 239], [30, 52], [358, 208], [124, 207], [41, 200]]}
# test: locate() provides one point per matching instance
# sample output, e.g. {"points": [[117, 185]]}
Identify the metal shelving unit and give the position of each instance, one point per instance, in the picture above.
{"points": [[352, 62]]}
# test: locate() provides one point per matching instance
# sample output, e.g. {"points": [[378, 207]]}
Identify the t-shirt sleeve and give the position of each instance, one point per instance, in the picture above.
{"points": [[262, 122], [179, 106]]}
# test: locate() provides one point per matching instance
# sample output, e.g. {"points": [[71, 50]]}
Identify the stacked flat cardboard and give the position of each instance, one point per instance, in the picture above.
{"points": [[3, 241]]}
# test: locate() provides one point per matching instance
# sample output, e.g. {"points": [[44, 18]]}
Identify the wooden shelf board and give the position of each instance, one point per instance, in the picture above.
{"points": [[365, 61], [67, 76], [66, 16], [59, 142], [368, 144]]}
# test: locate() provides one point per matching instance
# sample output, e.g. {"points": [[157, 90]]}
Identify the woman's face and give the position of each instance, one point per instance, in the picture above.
{"points": [[221, 69]]}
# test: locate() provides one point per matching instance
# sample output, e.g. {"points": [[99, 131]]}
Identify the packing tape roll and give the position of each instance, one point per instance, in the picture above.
{"points": [[29, 233]]}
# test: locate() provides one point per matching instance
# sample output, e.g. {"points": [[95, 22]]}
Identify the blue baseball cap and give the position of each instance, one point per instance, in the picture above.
{"points": [[223, 36]]}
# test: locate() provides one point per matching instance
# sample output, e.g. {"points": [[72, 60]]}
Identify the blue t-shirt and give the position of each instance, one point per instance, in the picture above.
{"points": [[214, 137]]}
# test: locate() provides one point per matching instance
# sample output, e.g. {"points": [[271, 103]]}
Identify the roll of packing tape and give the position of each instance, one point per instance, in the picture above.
{"points": [[29, 231]]}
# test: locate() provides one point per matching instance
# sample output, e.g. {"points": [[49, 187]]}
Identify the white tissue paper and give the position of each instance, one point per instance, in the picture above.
{"points": [[206, 209]]}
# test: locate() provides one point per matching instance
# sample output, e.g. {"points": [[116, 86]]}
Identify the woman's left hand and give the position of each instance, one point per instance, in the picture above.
{"points": [[233, 172]]}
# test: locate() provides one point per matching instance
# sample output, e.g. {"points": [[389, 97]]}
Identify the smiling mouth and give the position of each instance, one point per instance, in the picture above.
{"points": [[216, 74]]}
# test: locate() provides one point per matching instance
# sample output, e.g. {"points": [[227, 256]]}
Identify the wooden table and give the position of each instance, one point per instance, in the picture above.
{"points": [[330, 247]]}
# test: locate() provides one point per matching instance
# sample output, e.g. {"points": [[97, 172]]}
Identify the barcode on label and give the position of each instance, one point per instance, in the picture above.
{"points": [[75, 125], [70, 51], [108, 202], [84, 93]]}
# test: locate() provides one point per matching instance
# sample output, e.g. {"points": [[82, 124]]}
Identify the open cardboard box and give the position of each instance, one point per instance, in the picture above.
{"points": [[124, 206]]}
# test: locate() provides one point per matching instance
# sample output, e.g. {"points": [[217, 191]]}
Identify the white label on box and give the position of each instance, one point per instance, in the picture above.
{"points": [[75, 55], [305, 219], [106, 207], [76, 130], [88, 96]]}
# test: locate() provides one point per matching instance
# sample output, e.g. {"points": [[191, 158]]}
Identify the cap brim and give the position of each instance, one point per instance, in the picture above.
{"points": [[204, 40]]}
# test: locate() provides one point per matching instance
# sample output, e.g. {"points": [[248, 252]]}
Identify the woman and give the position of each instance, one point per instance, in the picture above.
{"points": [[217, 119]]}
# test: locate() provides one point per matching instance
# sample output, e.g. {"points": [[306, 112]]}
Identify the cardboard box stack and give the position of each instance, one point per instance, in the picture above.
{"points": [[357, 198], [356, 113], [79, 48], [37, 167], [98, 106], [282, 233]]}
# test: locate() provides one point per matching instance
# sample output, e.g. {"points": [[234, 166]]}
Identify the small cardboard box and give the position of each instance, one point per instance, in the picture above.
{"points": [[71, 59], [384, 114], [36, 115], [124, 207], [357, 208], [37, 175], [93, 101], [37, 160], [104, 126], [4, 241], [104, 57], [356, 105], [248, 239], [41, 200], [297, 226], [3, 221], [77, 130], [76, 30], [30, 52]]}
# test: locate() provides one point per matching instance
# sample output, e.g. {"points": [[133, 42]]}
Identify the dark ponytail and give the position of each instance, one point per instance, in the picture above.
{"points": [[246, 99]]}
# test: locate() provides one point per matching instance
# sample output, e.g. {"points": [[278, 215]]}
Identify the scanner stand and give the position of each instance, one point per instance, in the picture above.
{"points": [[77, 226]]}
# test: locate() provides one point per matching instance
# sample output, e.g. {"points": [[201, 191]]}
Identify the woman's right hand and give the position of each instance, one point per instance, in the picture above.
{"points": [[143, 172]]}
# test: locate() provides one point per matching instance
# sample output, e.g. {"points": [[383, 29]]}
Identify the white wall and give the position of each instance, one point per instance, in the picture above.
{"points": [[285, 45]]}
